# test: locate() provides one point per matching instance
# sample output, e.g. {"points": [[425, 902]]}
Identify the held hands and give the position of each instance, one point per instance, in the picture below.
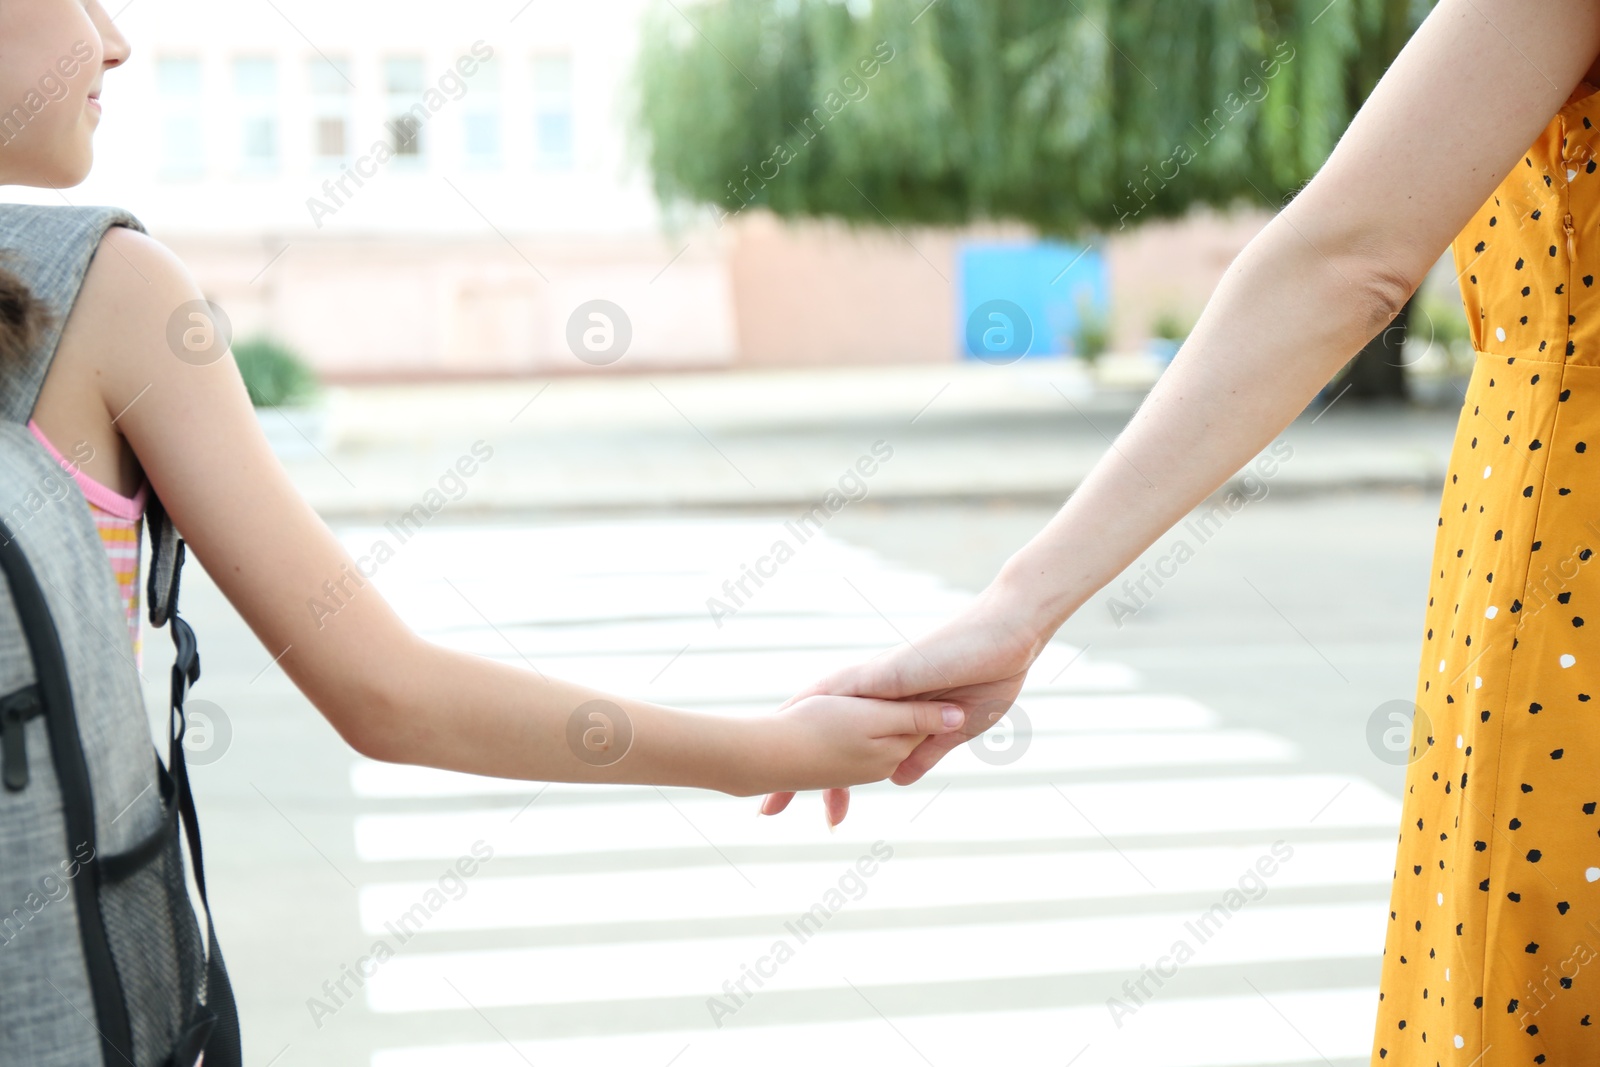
{"points": [[826, 742], [977, 662]]}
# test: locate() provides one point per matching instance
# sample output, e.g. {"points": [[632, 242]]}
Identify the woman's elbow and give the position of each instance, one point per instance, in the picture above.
{"points": [[1385, 291]]}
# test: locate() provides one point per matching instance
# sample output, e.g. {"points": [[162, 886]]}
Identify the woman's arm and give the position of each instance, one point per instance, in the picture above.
{"points": [[389, 693], [1454, 113]]}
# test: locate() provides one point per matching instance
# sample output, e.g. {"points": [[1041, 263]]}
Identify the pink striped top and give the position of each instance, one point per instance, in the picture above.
{"points": [[120, 522]]}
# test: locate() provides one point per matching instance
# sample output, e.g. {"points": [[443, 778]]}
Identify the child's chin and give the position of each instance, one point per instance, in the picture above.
{"points": [[69, 171]]}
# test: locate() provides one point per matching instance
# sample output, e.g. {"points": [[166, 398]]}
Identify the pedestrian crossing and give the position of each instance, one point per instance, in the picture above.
{"points": [[1113, 876]]}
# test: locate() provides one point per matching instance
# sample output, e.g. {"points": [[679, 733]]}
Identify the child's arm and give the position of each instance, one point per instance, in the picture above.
{"points": [[391, 694]]}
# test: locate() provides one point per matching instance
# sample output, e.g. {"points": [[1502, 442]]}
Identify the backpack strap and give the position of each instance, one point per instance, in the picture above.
{"points": [[49, 248], [218, 1034], [166, 562]]}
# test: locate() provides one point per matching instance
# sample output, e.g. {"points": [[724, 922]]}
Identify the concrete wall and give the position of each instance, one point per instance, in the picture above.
{"points": [[1173, 263], [758, 292], [824, 293], [390, 307]]}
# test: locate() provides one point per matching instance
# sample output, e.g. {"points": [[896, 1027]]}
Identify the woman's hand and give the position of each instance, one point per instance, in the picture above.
{"points": [[977, 661], [828, 742]]}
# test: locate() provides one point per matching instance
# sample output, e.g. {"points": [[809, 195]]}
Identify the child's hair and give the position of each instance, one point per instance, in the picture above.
{"points": [[22, 317]]}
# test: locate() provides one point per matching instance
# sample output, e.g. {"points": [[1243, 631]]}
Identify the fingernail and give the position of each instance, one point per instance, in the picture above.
{"points": [[953, 716]]}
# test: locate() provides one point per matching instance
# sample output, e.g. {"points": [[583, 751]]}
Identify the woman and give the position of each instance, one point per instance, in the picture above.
{"points": [[1482, 136]]}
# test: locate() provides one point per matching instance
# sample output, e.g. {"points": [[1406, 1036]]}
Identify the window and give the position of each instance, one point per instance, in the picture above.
{"points": [[182, 141], [403, 82], [255, 84], [330, 110], [552, 112], [480, 120]]}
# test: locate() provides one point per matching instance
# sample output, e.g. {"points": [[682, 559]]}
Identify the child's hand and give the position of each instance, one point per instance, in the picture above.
{"points": [[830, 742], [977, 661]]}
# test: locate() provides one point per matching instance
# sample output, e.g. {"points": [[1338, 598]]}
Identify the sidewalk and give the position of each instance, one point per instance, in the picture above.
{"points": [[780, 438]]}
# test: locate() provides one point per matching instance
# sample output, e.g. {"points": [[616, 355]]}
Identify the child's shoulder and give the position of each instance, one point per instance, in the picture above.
{"points": [[137, 249], [132, 310], [35, 238], [132, 269]]}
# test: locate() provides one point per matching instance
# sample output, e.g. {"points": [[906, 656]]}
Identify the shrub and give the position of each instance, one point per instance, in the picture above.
{"points": [[1443, 320], [274, 373], [1092, 335], [1169, 325]]}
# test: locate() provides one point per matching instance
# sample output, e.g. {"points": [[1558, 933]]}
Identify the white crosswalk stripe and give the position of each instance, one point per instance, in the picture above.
{"points": [[1079, 812], [1111, 840], [699, 968], [707, 892], [1229, 1031]]}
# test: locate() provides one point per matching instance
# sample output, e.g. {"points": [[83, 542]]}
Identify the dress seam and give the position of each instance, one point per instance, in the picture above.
{"points": [[1505, 714], [1527, 575], [1552, 363]]}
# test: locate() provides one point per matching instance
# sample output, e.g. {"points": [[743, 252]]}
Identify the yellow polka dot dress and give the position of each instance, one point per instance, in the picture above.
{"points": [[1492, 952]]}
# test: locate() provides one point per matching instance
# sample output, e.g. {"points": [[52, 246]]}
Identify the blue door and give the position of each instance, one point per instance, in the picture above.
{"points": [[1021, 299]]}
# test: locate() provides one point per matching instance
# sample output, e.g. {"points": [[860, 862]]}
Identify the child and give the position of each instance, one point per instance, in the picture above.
{"points": [[147, 420]]}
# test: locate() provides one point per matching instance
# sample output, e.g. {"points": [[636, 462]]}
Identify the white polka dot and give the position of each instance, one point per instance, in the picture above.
{"points": [[1571, 174], [1486, 471], [1441, 899], [1441, 665], [1490, 612], [1477, 683], [1458, 740], [1447, 974], [1499, 333], [1459, 1041], [1567, 660], [1592, 873]]}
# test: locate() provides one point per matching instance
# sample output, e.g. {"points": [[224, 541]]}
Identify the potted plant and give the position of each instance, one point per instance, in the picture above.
{"points": [[1091, 334], [286, 394]]}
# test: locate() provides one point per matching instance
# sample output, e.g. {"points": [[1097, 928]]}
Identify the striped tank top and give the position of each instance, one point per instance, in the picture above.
{"points": [[120, 522]]}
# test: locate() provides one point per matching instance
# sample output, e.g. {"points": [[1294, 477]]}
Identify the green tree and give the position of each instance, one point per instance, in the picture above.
{"points": [[1075, 119]]}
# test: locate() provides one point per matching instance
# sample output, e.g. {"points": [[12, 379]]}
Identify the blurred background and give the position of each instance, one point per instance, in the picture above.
{"points": [[753, 184], [665, 273]]}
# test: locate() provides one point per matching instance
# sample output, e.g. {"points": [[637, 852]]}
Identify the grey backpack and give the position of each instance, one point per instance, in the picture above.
{"points": [[101, 957]]}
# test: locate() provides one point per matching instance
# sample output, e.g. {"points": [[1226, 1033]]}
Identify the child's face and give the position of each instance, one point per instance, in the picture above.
{"points": [[53, 54]]}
